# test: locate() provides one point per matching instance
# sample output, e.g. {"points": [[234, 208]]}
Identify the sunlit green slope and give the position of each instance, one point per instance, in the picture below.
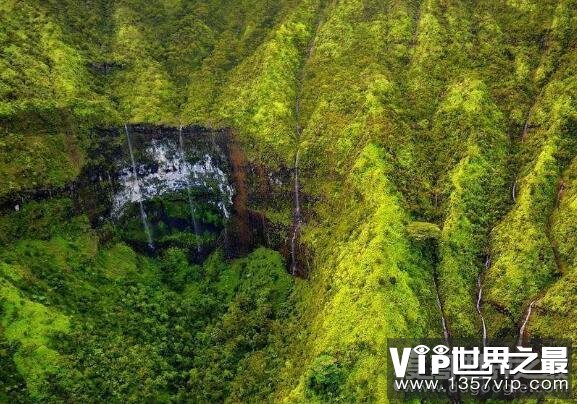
{"points": [[436, 143]]}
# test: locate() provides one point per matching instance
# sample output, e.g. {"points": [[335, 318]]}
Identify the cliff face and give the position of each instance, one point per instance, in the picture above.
{"points": [[396, 156], [178, 179]]}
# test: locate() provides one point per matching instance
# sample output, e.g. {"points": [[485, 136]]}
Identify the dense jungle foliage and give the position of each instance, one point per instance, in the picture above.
{"points": [[437, 145]]}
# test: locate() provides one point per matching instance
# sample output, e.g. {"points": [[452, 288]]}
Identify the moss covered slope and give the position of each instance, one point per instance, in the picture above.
{"points": [[436, 140]]}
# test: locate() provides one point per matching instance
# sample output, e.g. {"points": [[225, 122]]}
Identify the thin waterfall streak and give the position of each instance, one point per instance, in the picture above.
{"points": [[525, 322], [297, 214], [297, 191], [137, 189], [513, 192], [297, 207], [443, 320], [222, 198], [225, 238], [189, 193], [526, 126], [480, 298]]}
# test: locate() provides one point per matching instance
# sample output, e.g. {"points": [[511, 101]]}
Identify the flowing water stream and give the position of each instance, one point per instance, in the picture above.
{"points": [[524, 324], [136, 188], [188, 186], [297, 220], [446, 334], [480, 297], [223, 203], [297, 214]]}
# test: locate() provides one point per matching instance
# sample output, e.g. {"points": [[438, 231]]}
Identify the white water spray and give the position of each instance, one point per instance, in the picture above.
{"points": [[189, 193], [137, 190]]}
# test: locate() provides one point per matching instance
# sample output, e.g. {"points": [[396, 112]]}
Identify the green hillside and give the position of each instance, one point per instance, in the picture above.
{"points": [[429, 145]]}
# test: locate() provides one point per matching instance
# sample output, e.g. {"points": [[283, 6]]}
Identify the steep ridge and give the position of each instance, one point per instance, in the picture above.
{"points": [[521, 273], [458, 114], [347, 286], [554, 310], [356, 300], [476, 194]]}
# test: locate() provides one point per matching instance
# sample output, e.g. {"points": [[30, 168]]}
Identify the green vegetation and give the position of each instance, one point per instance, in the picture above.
{"points": [[371, 285], [422, 231], [261, 95], [525, 261], [437, 142], [99, 322], [35, 160], [29, 325], [476, 188], [41, 71]]}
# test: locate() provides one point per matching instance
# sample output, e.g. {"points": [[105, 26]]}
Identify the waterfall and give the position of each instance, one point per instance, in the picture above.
{"points": [[524, 325], [189, 193], [297, 214], [479, 297], [137, 190], [443, 320], [222, 204], [525, 128], [297, 111]]}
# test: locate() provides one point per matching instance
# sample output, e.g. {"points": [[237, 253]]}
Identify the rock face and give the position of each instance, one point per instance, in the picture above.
{"points": [[180, 179], [191, 187], [166, 168]]}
